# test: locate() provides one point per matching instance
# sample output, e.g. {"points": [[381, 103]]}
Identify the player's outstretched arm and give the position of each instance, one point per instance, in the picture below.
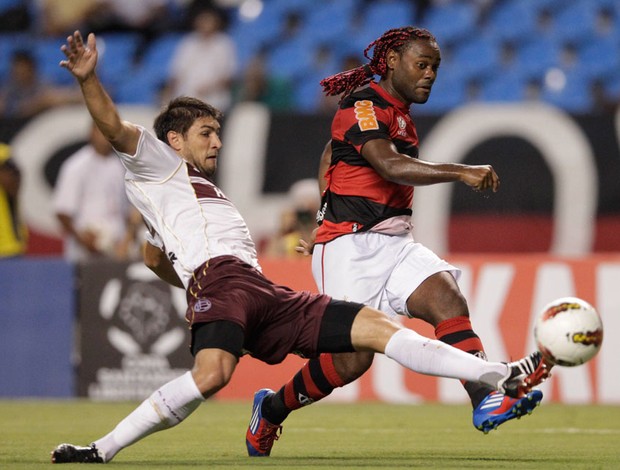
{"points": [[81, 61], [398, 168]]}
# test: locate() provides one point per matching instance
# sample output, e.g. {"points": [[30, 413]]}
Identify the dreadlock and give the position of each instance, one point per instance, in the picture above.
{"points": [[345, 82]]}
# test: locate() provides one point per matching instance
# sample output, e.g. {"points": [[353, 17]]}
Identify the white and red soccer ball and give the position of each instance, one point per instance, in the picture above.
{"points": [[568, 331]]}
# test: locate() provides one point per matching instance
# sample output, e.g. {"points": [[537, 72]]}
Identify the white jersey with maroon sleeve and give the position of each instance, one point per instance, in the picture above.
{"points": [[190, 215]]}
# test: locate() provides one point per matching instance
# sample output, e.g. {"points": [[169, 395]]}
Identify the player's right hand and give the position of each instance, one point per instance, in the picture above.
{"points": [[81, 58]]}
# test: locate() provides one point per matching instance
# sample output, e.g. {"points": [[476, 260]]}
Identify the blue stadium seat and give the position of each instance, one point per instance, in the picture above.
{"points": [[611, 86], [48, 55], [308, 93], [512, 20], [448, 92], [139, 88], [252, 35], [452, 22], [476, 56], [292, 59], [9, 43], [330, 22], [503, 87], [116, 56], [380, 16], [535, 57], [550, 5], [298, 6], [574, 96], [156, 60], [600, 58], [576, 22]]}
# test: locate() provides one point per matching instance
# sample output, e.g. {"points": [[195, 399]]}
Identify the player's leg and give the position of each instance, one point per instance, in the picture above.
{"points": [[438, 301], [372, 330], [425, 287], [332, 268], [314, 381], [214, 364]]}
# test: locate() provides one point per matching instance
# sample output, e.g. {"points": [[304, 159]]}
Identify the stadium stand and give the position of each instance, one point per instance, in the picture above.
{"points": [[293, 33]]}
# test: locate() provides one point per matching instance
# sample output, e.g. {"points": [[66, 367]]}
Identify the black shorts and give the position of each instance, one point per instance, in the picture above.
{"points": [[335, 331], [220, 334], [334, 334], [274, 320]]}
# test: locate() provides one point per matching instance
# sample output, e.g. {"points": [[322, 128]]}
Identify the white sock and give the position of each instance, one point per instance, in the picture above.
{"points": [[433, 357], [165, 408]]}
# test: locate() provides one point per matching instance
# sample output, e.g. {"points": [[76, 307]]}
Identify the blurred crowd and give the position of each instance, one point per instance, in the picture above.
{"points": [[277, 51]]}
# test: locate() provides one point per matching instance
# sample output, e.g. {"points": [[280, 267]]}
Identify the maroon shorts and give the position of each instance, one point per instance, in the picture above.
{"points": [[276, 320]]}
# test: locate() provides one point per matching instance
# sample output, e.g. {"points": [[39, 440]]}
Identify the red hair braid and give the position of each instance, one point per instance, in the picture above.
{"points": [[345, 82]]}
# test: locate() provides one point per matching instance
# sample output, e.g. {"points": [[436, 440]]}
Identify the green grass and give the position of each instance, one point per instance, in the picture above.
{"points": [[367, 435]]}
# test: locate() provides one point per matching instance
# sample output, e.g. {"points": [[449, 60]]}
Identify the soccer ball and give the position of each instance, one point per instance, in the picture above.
{"points": [[568, 332]]}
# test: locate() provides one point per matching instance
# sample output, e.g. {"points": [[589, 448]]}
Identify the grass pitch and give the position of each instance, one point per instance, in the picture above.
{"points": [[366, 435]]}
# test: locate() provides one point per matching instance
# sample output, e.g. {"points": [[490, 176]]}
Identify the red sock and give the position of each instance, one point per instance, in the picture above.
{"points": [[458, 332], [314, 381]]}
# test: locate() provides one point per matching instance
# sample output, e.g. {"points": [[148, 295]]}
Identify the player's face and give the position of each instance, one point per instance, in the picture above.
{"points": [[202, 144], [414, 71]]}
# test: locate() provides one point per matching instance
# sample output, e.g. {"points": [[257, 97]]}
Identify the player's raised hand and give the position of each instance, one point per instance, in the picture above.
{"points": [[81, 58]]}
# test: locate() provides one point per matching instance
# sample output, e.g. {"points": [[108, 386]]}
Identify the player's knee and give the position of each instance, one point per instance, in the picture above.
{"points": [[351, 366], [213, 370], [211, 381], [437, 299]]}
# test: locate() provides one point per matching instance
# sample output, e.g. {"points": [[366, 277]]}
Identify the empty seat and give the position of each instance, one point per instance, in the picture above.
{"points": [[476, 57], [452, 22], [116, 56], [573, 95], [512, 20], [503, 87], [329, 22], [380, 16], [448, 93], [535, 57]]}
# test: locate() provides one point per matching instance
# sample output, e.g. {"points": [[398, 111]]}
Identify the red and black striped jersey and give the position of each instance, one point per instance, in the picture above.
{"points": [[357, 198]]}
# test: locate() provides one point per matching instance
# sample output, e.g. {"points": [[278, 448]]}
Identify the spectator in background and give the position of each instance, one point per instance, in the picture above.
{"points": [[15, 15], [257, 85], [147, 18], [25, 94], [12, 230], [603, 102], [61, 17], [298, 221], [205, 62], [91, 203]]}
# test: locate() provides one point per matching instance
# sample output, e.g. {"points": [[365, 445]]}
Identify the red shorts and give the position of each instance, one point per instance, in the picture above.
{"points": [[276, 320]]}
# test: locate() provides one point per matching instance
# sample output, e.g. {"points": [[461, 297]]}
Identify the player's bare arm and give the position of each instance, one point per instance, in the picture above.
{"points": [[326, 158], [157, 261], [306, 247], [398, 168], [81, 61]]}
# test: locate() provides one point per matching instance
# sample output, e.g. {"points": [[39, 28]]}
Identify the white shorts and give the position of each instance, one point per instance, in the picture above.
{"points": [[375, 269]]}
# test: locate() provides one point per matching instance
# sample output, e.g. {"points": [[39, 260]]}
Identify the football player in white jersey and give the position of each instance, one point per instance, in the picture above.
{"points": [[199, 241]]}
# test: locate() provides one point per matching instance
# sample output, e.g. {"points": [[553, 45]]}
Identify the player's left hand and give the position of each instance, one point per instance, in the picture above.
{"points": [[306, 247]]}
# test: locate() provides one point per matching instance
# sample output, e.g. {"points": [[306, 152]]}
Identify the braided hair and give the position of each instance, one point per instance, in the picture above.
{"points": [[345, 82]]}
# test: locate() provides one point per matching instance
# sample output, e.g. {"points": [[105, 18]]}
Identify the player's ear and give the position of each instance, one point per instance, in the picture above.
{"points": [[391, 57], [175, 140]]}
